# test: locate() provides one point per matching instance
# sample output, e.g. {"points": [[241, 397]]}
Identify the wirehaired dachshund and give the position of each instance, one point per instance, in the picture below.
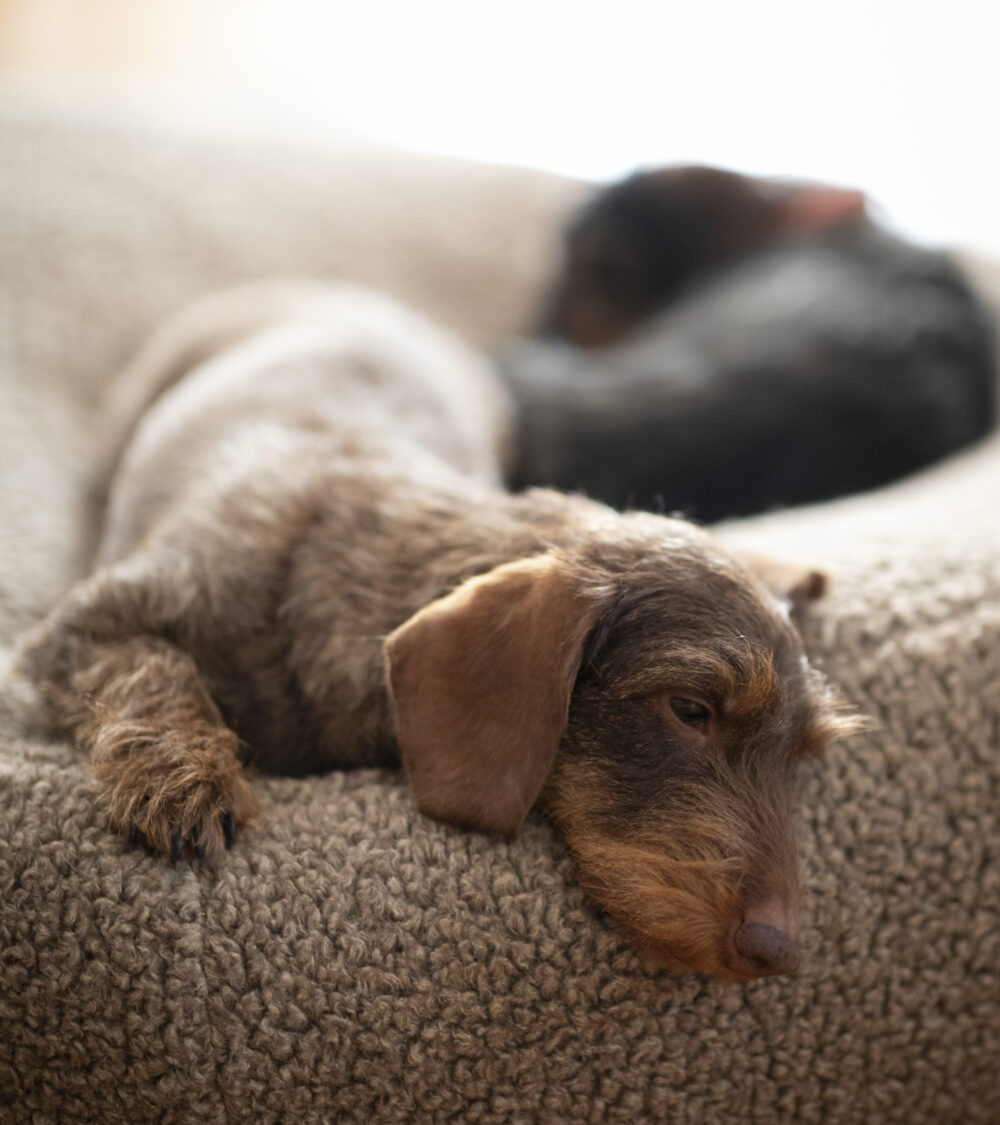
{"points": [[308, 562]]}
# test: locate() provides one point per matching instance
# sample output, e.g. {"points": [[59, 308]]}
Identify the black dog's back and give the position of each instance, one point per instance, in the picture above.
{"points": [[812, 369]]}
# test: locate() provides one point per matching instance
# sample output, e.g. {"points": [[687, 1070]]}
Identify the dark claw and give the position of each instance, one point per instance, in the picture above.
{"points": [[176, 846], [228, 829], [137, 839]]}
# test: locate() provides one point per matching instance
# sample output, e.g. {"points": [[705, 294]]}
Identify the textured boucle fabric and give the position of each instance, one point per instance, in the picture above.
{"points": [[352, 961]]}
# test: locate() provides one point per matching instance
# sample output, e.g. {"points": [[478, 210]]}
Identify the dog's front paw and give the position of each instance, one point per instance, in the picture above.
{"points": [[180, 790]]}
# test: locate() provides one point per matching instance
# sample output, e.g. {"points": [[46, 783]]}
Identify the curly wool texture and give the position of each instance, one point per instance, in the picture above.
{"points": [[350, 960]]}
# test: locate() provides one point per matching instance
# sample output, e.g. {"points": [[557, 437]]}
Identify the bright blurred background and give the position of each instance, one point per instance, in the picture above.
{"points": [[900, 98]]}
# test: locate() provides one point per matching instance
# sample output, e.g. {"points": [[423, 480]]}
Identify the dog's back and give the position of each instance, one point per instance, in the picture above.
{"points": [[272, 370]]}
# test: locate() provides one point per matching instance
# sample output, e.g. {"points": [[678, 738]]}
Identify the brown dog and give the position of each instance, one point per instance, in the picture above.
{"points": [[308, 561]]}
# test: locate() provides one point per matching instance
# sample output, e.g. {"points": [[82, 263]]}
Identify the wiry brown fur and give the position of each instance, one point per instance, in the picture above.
{"points": [[308, 562]]}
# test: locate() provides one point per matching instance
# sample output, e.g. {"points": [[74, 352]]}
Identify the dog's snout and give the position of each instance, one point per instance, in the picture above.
{"points": [[764, 950]]}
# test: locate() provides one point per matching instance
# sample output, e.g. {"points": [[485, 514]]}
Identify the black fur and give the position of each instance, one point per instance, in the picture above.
{"points": [[794, 372]]}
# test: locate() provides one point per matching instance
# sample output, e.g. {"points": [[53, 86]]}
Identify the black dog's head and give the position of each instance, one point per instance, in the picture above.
{"points": [[638, 243]]}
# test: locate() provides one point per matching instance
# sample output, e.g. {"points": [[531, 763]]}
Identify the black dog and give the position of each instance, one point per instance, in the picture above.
{"points": [[722, 345]]}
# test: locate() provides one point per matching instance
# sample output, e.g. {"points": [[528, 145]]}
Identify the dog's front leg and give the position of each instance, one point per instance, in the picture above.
{"points": [[166, 763]]}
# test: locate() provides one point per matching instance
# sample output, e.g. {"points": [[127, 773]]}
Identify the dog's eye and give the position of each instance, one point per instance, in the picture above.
{"points": [[690, 712]]}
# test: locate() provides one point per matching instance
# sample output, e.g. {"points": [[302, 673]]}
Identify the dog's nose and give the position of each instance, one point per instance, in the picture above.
{"points": [[765, 950]]}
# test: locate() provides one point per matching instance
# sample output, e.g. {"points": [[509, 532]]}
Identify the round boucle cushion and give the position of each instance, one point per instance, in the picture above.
{"points": [[350, 960]]}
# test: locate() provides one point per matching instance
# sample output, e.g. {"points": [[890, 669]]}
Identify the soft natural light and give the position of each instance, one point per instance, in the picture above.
{"points": [[901, 98], [898, 97]]}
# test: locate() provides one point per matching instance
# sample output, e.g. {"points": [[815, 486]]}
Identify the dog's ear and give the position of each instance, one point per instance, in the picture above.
{"points": [[480, 682], [812, 208], [796, 585]]}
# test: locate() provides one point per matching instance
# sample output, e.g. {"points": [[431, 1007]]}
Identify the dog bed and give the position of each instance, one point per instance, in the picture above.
{"points": [[350, 960]]}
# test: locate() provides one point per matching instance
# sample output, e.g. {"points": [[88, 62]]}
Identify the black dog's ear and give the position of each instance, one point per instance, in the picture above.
{"points": [[799, 586], [812, 208], [480, 683]]}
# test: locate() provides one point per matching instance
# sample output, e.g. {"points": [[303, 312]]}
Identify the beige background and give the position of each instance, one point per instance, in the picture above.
{"points": [[124, 38], [898, 98]]}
